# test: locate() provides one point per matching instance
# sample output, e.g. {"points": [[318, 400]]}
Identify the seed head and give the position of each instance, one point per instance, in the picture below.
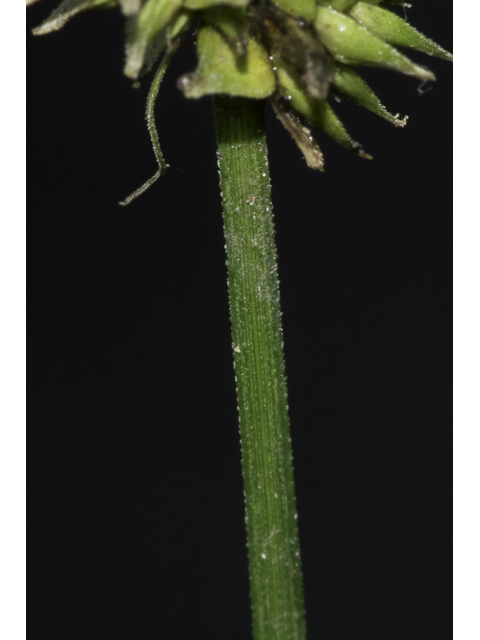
{"points": [[296, 53]]}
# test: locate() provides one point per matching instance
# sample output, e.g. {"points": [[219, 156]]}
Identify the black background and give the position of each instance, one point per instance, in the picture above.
{"points": [[136, 512]]}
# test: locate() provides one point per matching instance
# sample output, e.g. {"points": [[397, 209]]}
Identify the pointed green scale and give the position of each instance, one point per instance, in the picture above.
{"points": [[327, 120], [351, 43], [395, 30], [232, 22], [154, 16], [301, 9], [351, 85], [318, 112], [67, 10], [221, 71]]}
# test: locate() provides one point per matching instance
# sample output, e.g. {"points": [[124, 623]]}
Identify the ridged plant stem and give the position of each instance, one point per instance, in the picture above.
{"points": [[273, 547]]}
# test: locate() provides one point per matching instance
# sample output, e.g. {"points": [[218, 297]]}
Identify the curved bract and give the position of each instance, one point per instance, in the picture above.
{"points": [[294, 52]]}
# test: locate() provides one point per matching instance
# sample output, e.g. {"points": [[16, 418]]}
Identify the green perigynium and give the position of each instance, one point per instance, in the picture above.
{"points": [[296, 53]]}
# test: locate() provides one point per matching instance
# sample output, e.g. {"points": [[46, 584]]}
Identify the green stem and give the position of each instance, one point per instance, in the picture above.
{"points": [[273, 548]]}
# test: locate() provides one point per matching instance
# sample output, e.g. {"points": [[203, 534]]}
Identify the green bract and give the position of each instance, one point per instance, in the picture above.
{"points": [[294, 52], [220, 70]]}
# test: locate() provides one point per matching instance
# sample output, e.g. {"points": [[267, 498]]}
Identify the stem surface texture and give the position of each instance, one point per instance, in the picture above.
{"points": [[273, 547]]}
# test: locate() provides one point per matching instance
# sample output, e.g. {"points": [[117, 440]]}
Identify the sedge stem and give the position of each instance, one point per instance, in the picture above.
{"points": [[272, 532]]}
